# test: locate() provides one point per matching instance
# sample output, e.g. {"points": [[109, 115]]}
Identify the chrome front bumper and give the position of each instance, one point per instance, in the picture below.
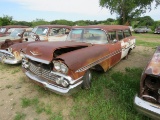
{"points": [[57, 89], [7, 60], [149, 109]]}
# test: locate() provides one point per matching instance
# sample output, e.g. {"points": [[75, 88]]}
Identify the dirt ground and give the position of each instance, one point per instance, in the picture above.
{"points": [[14, 86]]}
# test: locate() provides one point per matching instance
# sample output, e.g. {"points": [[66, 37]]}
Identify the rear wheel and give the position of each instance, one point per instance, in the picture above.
{"points": [[87, 80]]}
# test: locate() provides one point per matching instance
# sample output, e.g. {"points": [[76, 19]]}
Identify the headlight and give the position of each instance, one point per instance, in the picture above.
{"points": [[57, 66], [65, 83], [64, 68], [61, 67]]}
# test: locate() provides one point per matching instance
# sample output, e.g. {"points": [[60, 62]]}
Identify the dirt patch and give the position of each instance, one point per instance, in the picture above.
{"points": [[15, 86]]}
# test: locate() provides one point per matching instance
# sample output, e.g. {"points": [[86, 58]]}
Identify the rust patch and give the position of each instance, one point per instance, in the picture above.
{"points": [[154, 65]]}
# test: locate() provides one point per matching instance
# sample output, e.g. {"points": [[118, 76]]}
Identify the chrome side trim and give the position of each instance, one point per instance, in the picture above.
{"points": [[54, 88], [37, 59], [98, 61], [147, 108], [12, 61], [6, 52]]}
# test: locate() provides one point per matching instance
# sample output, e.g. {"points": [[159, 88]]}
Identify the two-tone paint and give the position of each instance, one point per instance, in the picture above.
{"points": [[79, 56]]}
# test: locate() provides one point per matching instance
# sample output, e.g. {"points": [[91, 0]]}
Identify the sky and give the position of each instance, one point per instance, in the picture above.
{"points": [[49, 10]]}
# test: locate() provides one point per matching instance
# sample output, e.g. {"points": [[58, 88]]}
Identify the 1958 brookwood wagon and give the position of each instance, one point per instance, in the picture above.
{"points": [[148, 99], [64, 66]]}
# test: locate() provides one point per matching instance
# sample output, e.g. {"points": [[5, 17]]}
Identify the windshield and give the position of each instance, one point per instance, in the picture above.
{"points": [[95, 36], [40, 30], [2, 30], [16, 32]]}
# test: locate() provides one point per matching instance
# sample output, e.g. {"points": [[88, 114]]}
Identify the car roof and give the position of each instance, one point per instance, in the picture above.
{"points": [[15, 26], [56, 26], [104, 27]]}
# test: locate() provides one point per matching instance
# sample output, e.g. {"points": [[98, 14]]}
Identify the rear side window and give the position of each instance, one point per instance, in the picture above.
{"points": [[120, 35], [127, 33], [112, 35]]}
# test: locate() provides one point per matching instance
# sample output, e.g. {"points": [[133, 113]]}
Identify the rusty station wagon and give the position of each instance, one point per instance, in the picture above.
{"points": [[42, 33], [64, 66], [148, 99]]}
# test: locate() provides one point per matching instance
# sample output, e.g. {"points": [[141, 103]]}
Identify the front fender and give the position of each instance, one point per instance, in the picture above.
{"points": [[85, 58]]}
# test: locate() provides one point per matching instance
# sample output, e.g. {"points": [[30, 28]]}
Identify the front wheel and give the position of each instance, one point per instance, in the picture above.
{"points": [[87, 80]]}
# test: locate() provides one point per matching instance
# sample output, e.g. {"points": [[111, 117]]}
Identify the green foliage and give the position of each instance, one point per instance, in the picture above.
{"points": [[20, 116], [39, 22], [5, 20], [110, 97], [147, 44], [62, 22], [22, 23], [127, 9], [144, 21]]}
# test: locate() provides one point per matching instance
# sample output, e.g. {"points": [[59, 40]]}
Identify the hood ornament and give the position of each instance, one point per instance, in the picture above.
{"points": [[35, 53]]}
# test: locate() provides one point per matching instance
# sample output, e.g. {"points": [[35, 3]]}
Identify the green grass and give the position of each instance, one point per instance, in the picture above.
{"points": [[147, 44], [110, 98], [20, 116], [40, 107], [147, 39], [8, 86]]}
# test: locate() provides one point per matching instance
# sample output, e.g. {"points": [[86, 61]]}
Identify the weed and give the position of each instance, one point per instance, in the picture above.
{"points": [[15, 71], [20, 116], [8, 86], [110, 97]]}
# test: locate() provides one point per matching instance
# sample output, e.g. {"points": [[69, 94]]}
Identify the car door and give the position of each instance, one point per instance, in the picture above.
{"points": [[114, 48]]}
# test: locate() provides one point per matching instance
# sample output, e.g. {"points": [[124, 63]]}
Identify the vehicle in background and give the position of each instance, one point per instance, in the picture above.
{"points": [[147, 101], [64, 66], [42, 33], [6, 30], [51, 32], [19, 35], [157, 30], [142, 29]]}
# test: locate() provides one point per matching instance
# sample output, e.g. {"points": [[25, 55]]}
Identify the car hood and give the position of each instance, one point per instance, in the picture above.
{"points": [[45, 50], [153, 67], [19, 46]]}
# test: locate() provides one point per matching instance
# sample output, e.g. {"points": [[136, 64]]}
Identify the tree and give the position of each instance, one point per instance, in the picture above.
{"points": [[5, 20], [22, 23], [39, 22], [62, 22], [127, 9]]}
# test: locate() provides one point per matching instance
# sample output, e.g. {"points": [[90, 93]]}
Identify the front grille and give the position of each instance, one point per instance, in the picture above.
{"points": [[40, 71]]}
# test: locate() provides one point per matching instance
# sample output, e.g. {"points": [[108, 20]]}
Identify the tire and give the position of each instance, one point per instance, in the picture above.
{"points": [[87, 80]]}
